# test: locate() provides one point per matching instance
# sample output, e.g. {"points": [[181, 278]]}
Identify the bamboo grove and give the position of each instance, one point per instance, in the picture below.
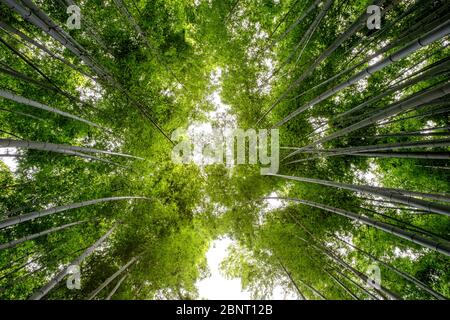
{"points": [[86, 116]]}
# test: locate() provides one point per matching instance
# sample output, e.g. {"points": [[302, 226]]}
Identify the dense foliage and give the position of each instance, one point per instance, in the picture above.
{"points": [[137, 70]]}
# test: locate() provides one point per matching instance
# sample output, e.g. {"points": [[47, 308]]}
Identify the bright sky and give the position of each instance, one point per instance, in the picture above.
{"points": [[11, 162], [220, 118], [217, 287]]}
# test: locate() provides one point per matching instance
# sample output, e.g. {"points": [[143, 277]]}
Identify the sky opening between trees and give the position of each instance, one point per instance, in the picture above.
{"points": [[87, 178]]}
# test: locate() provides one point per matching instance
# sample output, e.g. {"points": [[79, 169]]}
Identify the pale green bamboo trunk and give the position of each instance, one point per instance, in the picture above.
{"points": [[60, 275]]}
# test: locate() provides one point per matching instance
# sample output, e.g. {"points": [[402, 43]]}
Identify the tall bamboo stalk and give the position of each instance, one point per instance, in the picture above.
{"points": [[60, 275], [421, 42], [22, 100], [111, 278], [395, 108], [42, 213], [411, 236], [404, 275], [114, 290], [14, 243], [46, 146]]}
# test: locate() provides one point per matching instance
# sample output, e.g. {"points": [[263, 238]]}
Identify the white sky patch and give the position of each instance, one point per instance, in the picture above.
{"points": [[336, 98], [403, 75], [30, 172], [259, 35], [316, 123], [221, 113], [11, 162], [219, 118], [167, 93], [215, 76], [217, 287], [91, 92], [407, 72], [32, 265], [376, 201], [245, 24], [219, 209], [370, 176], [202, 134], [406, 253], [385, 120], [343, 248], [374, 59], [270, 205], [273, 204], [361, 85], [112, 143], [104, 247], [355, 50], [265, 85], [280, 293], [430, 124], [398, 95], [239, 21], [257, 50]]}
